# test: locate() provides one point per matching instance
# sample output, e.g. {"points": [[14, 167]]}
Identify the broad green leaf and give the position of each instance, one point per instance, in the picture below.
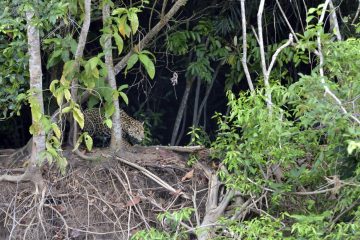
{"points": [[149, 53], [131, 62], [115, 94], [134, 21], [52, 85], [122, 87], [124, 97], [108, 123], [69, 67], [109, 109], [56, 130], [88, 141], [121, 25], [54, 58], [51, 149], [79, 117], [66, 109], [353, 146], [119, 42], [21, 97], [118, 11], [59, 95], [93, 62], [95, 73], [148, 64], [78, 142], [127, 30], [67, 94]]}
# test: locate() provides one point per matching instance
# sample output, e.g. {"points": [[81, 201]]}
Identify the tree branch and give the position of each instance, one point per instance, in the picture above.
{"points": [[244, 47], [150, 35]]}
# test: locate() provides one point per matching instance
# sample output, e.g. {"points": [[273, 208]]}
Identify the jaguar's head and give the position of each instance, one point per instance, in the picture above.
{"points": [[137, 132]]}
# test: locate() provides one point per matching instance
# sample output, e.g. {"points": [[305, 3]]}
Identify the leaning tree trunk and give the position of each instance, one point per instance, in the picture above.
{"points": [[116, 127]]}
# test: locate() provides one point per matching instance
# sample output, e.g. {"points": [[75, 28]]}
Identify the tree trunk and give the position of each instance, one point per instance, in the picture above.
{"points": [[78, 55], [207, 93], [38, 140], [181, 110], [35, 81], [116, 127], [196, 103]]}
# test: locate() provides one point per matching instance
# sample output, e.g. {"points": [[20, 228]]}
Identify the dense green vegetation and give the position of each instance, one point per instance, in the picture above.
{"points": [[276, 102]]}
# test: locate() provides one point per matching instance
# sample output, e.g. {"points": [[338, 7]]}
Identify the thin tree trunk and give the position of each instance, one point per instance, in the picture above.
{"points": [[334, 22], [244, 46], [116, 127], [196, 103], [78, 55], [181, 110], [181, 134], [207, 93], [262, 55], [38, 141]]}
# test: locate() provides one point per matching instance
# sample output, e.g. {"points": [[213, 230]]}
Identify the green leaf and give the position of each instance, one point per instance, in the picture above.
{"points": [[131, 62], [67, 94], [122, 25], [54, 58], [56, 130], [88, 141], [148, 64], [79, 117], [119, 42], [118, 11], [109, 109], [127, 30], [353, 146], [93, 62], [52, 85], [149, 53], [124, 97], [108, 123], [95, 73], [134, 21], [66, 109], [69, 67], [78, 142], [122, 87]]}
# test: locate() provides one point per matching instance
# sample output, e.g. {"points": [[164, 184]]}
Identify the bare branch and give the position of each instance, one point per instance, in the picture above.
{"points": [[244, 46], [152, 176], [273, 58], [334, 22], [321, 69], [287, 21], [357, 14]]}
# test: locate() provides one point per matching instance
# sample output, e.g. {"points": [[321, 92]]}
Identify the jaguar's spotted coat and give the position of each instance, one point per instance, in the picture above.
{"points": [[132, 130]]}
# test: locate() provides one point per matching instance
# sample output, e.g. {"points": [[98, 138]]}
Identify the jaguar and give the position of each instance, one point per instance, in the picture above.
{"points": [[132, 129]]}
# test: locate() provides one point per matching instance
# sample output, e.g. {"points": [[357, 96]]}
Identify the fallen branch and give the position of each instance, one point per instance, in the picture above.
{"points": [[184, 149], [151, 176]]}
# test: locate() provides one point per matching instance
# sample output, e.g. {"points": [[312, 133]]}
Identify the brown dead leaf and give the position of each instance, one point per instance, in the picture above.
{"points": [[133, 201], [188, 175]]}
